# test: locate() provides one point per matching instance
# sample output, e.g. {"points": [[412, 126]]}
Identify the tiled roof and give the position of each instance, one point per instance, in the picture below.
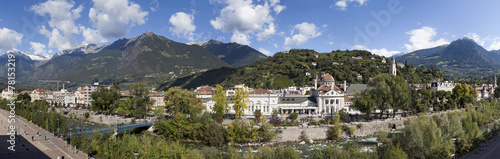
{"points": [[261, 91], [347, 99], [39, 90], [326, 88], [327, 77], [205, 90]]}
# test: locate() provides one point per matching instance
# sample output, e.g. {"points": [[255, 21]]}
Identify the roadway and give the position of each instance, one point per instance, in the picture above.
{"points": [[491, 149], [53, 147]]}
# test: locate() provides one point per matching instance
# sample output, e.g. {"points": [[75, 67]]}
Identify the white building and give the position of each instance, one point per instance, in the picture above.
{"points": [[328, 98], [442, 86], [83, 94], [38, 95], [9, 95]]}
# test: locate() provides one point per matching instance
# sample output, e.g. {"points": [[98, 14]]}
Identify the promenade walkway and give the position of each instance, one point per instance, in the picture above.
{"points": [[53, 147], [491, 149]]}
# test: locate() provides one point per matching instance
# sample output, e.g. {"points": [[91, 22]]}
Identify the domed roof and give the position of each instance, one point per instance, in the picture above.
{"points": [[327, 77]]}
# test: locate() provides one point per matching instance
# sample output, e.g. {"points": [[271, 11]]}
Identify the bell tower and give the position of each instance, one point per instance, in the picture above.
{"points": [[393, 69]]}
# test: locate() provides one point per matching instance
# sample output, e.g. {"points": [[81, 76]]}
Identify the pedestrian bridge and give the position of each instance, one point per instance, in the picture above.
{"points": [[111, 129]]}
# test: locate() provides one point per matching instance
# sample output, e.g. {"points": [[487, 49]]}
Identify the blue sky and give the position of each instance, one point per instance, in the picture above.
{"points": [[384, 27]]}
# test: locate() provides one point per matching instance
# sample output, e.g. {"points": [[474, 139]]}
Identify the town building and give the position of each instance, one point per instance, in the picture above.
{"points": [[442, 86], [38, 95], [9, 95], [327, 98], [157, 99]]}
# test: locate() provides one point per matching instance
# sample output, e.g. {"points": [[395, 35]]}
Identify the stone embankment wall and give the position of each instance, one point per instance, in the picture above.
{"points": [[319, 132]]}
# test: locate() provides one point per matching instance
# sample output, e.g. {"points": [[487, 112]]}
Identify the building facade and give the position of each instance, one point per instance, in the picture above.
{"points": [[327, 99], [38, 95]]}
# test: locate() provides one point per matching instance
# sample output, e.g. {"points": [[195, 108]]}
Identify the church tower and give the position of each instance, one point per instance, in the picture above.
{"points": [[393, 69], [495, 80]]}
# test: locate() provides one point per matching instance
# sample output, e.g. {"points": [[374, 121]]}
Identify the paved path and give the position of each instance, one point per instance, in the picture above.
{"points": [[491, 150], [53, 147]]}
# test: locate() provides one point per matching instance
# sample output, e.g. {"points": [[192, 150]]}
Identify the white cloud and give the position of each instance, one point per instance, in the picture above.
{"points": [[57, 40], [331, 43], [9, 39], [243, 18], [381, 52], [266, 33], [183, 25], [275, 45], [114, 18], [422, 39], [306, 32], [278, 8], [476, 38], [494, 42], [240, 38], [264, 51], [495, 45], [342, 4], [39, 48], [92, 36], [155, 5], [62, 16]]}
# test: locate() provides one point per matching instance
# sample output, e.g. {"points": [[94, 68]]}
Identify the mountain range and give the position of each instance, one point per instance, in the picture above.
{"points": [[462, 57], [235, 54], [147, 57]]}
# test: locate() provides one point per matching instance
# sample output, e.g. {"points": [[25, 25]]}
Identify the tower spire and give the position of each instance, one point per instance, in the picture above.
{"points": [[392, 69]]}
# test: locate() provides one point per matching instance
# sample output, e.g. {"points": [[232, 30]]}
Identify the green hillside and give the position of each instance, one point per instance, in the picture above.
{"points": [[289, 68]]}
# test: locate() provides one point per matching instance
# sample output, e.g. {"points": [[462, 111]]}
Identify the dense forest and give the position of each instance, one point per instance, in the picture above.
{"points": [[298, 67]]}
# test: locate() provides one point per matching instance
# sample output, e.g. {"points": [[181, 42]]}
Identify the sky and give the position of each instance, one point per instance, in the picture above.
{"points": [[384, 27]]}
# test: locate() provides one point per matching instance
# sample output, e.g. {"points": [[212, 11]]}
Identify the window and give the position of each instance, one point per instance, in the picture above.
{"points": [[283, 99], [293, 99], [326, 101], [288, 99]]}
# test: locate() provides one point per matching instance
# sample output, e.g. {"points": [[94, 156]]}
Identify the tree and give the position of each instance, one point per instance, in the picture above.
{"points": [[399, 96], [24, 97], [257, 114], [275, 120], [125, 106], [104, 99], [141, 102], [240, 100], [294, 116], [178, 100], [116, 85], [159, 110], [86, 115], [335, 131], [221, 102], [463, 93], [497, 92], [303, 136], [393, 152], [364, 103]]}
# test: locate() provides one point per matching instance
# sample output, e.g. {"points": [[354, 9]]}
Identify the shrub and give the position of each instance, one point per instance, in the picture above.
{"points": [[86, 115], [359, 126], [321, 121], [219, 120], [303, 136], [294, 116], [382, 136]]}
